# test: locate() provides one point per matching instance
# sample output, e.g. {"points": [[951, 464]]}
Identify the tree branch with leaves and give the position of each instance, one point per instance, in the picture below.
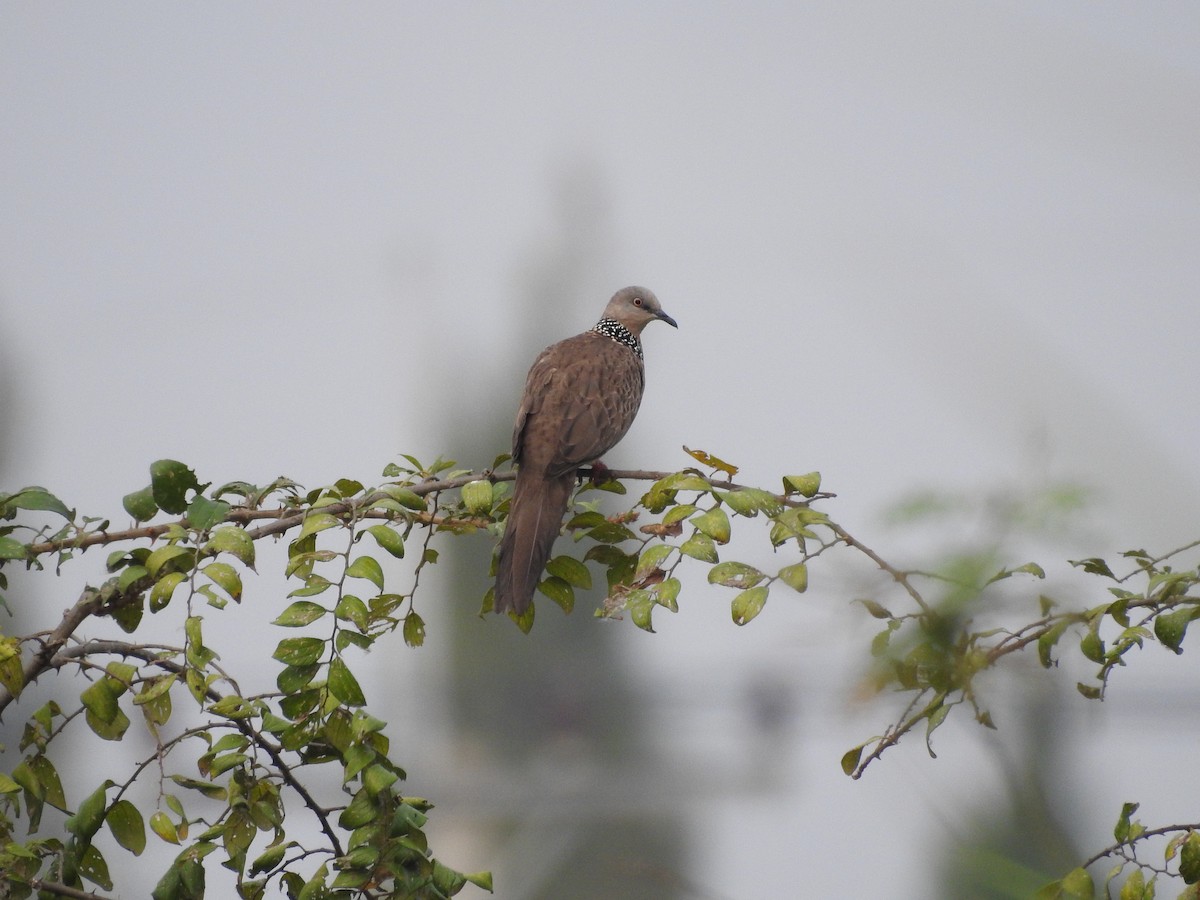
{"points": [[192, 547]]}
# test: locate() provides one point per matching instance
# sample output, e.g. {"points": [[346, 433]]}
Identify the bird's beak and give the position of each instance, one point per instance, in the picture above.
{"points": [[662, 315]]}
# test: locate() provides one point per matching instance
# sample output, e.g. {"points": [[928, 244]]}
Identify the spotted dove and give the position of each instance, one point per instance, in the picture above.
{"points": [[580, 398]]}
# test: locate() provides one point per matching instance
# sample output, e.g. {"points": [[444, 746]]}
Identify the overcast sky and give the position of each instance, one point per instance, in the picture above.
{"points": [[938, 243]]}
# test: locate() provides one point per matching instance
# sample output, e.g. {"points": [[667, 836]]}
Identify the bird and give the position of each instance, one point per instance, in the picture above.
{"points": [[580, 397]]}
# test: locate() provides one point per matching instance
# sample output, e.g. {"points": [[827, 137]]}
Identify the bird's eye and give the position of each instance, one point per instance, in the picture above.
{"points": [[637, 301]]}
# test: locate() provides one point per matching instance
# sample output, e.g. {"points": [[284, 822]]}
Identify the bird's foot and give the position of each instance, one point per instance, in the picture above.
{"points": [[599, 473]]}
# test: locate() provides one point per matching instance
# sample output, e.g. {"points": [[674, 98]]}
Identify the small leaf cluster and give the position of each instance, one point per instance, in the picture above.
{"points": [[1180, 860], [693, 523]]}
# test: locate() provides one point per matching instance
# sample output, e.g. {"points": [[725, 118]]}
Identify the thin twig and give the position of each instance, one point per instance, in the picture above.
{"points": [[1153, 832]]}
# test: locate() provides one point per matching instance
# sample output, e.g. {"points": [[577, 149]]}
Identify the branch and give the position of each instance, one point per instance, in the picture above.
{"points": [[1153, 832], [285, 518], [89, 601], [63, 890]]}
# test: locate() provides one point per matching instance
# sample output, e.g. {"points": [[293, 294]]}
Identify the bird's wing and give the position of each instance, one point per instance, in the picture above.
{"points": [[580, 398]]}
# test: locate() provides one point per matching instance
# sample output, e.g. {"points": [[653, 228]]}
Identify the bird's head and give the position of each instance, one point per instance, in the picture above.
{"points": [[635, 307]]}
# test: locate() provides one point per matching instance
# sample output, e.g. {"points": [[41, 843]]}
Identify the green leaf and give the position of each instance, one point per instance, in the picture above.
{"points": [[408, 820], [570, 570], [807, 485], [164, 588], [414, 630], [90, 815], [170, 480], [1089, 691], [749, 502], [666, 591], [525, 620], [651, 559], [12, 675], [678, 513], [203, 514], [1078, 885], [851, 757], [1189, 859], [155, 688], [232, 540], [477, 497], [225, 577], [300, 651], [1031, 568], [130, 576], [166, 554], [270, 858], [749, 604], [377, 779], [388, 539], [302, 612], [93, 867], [357, 757], [1048, 639], [735, 574], [11, 548], [480, 880], [559, 591], [232, 706], [314, 584], [360, 811], [446, 880], [1094, 565], [681, 481], [317, 522], [935, 718], [162, 825], [40, 773], [100, 700], [207, 788], [295, 678], [127, 826], [348, 487], [366, 567], [640, 604], [38, 498], [406, 497], [1134, 887], [1123, 827], [343, 684], [610, 533], [699, 546], [796, 576], [714, 523], [1171, 628], [349, 878], [1092, 646], [140, 504]]}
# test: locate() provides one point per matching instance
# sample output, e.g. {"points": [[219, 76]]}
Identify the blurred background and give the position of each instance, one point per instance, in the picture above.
{"points": [[933, 246]]}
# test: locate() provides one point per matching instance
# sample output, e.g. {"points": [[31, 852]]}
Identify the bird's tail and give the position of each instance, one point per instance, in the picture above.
{"points": [[534, 518]]}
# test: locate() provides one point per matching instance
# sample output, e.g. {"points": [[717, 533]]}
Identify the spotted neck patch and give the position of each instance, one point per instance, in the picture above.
{"points": [[614, 330]]}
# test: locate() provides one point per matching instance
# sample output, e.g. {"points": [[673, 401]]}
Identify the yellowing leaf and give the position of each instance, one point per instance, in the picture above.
{"points": [[714, 462]]}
